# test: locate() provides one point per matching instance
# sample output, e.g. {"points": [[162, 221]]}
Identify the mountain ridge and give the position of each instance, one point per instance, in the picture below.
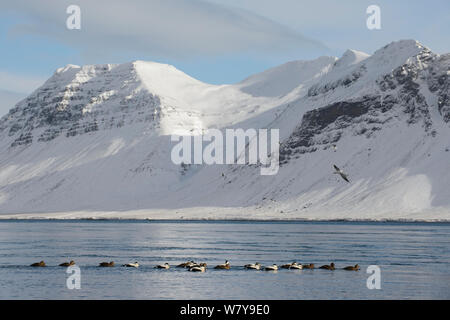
{"points": [[97, 139]]}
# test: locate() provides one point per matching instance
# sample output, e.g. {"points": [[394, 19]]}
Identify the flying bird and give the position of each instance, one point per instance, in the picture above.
{"points": [[341, 173]]}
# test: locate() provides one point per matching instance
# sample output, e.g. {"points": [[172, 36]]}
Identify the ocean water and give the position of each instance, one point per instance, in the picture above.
{"points": [[413, 258]]}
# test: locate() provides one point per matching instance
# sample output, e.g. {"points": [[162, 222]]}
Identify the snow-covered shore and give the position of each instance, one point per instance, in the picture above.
{"points": [[233, 214]]}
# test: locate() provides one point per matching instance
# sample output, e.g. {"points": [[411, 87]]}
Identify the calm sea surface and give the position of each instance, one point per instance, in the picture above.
{"points": [[414, 259]]}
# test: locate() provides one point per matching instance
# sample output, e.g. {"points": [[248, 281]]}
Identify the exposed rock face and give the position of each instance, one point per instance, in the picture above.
{"points": [[325, 126], [401, 92], [81, 100], [439, 83], [344, 82]]}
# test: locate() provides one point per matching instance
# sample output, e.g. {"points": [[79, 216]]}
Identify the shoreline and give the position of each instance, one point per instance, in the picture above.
{"points": [[234, 214], [222, 220]]}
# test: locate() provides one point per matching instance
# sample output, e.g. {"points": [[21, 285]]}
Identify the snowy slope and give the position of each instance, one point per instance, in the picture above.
{"points": [[283, 79], [94, 141]]}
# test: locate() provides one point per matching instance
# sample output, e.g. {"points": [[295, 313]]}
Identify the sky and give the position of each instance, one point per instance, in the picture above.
{"points": [[215, 41]]}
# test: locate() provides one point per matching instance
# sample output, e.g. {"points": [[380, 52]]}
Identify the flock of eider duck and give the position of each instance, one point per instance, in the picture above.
{"points": [[201, 267]]}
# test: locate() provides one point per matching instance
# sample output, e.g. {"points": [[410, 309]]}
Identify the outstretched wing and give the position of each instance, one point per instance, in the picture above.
{"points": [[336, 168], [344, 177]]}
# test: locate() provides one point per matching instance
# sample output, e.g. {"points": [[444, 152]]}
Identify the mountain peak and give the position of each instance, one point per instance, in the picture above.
{"points": [[405, 48], [67, 68], [351, 57]]}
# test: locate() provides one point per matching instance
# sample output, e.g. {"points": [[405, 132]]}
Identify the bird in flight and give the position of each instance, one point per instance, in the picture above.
{"points": [[341, 173]]}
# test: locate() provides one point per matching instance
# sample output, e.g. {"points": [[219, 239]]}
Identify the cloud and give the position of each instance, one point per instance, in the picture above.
{"points": [[342, 24], [165, 28]]}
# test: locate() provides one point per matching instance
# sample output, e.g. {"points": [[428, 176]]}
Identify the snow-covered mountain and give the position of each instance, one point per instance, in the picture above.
{"points": [[94, 141]]}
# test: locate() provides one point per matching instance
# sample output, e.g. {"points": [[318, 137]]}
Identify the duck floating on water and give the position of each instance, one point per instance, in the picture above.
{"points": [[308, 266], [286, 266], [293, 265], [253, 266], [328, 267], [38, 264], [198, 268], [296, 266], [273, 267], [67, 264], [225, 266], [163, 266], [106, 264], [352, 268], [187, 264], [203, 264], [132, 265]]}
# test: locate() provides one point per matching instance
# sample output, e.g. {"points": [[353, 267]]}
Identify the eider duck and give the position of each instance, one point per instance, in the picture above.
{"points": [[287, 266], [328, 267], [197, 268], [38, 264], [308, 266], [352, 268], [273, 267], [186, 264], [106, 264], [132, 265], [163, 266], [293, 265], [203, 264], [225, 265], [253, 266], [296, 266], [67, 264]]}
